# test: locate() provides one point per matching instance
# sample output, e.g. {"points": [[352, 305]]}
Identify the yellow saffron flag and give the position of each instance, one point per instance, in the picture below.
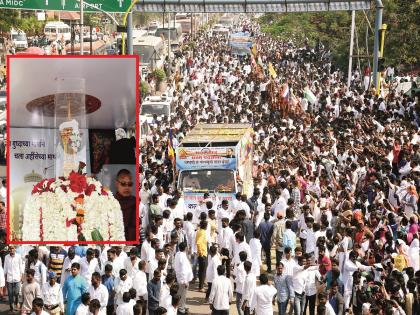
{"points": [[271, 70]]}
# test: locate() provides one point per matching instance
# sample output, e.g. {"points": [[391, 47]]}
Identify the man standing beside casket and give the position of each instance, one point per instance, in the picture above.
{"points": [[124, 195]]}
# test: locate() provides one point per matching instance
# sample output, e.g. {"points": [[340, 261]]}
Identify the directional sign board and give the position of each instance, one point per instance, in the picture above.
{"points": [[113, 6]]}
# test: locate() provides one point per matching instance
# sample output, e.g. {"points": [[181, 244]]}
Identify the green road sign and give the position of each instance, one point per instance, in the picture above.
{"points": [[113, 6]]}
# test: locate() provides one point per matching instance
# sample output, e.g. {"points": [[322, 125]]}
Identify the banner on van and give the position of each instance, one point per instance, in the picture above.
{"points": [[198, 158]]}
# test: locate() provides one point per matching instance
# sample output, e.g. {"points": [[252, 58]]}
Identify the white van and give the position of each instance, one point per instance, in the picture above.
{"points": [[57, 30], [161, 106], [18, 39]]}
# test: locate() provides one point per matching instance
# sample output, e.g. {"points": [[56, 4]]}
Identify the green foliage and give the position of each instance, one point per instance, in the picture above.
{"points": [[8, 19], [402, 40], [159, 74], [31, 26], [93, 19], [144, 88]]}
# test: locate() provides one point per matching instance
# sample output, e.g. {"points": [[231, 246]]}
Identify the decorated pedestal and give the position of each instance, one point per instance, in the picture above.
{"points": [[73, 208]]}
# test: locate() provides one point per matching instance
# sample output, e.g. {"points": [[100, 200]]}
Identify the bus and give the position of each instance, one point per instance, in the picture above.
{"points": [[57, 30], [175, 31], [98, 48], [151, 50]]}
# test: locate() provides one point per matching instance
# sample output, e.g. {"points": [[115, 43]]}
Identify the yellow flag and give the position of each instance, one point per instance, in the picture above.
{"points": [[254, 49], [271, 70]]}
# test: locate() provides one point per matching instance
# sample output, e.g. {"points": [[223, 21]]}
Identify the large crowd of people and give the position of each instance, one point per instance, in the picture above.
{"points": [[331, 227]]}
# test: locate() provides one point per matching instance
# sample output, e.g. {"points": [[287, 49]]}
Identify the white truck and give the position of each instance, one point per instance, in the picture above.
{"points": [[215, 159], [19, 39]]}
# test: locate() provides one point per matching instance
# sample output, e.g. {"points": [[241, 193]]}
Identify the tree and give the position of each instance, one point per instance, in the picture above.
{"points": [[402, 40], [8, 19]]}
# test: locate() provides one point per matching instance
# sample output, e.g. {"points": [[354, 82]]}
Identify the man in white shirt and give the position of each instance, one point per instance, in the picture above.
{"points": [[240, 275], [313, 277], [52, 295], [122, 284], [88, 265], [99, 292], [184, 275], [39, 268], [140, 281], [125, 308], [83, 308], [310, 236], [263, 299], [250, 285], [241, 245], [117, 264], [131, 263], [221, 292], [173, 309], [288, 262], [299, 281], [225, 238], [13, 273], [68, 261]]}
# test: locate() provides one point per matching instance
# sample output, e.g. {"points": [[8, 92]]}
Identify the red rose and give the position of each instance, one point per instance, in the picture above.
{"points": [[39, 187], [90, 189], [50, 181], [78, 182]]}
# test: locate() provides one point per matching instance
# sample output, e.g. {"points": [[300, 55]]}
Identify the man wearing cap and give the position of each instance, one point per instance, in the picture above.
{"points": [[52, 295]]}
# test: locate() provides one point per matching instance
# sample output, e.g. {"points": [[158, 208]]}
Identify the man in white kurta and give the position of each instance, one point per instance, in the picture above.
{"points": [[262, 301], [249, 286], [350, 266], [131, 263], [88, 265], [98, 291], [221, 291], [140, 281], [184, 274]]}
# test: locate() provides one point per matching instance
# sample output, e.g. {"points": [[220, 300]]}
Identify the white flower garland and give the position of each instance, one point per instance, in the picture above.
{"points": [[102, 212]]}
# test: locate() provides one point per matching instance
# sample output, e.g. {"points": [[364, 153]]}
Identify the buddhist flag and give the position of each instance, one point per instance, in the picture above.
{"points": [[171, 151], [271, 71]]}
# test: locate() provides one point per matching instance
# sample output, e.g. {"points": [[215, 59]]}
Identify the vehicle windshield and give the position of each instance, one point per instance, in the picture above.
{"points": [[145, 53], [241, 51], [158, 109], [226, 22], [208, 180], [19, 37], [165, 32]]}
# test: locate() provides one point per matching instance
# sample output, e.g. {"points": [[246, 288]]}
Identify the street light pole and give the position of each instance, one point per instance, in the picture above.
{"points": [[81, 28], [353, 20], [378, 25]]}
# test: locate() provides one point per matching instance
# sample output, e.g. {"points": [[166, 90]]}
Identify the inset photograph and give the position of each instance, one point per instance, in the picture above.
{"points": [[72, 150]]}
